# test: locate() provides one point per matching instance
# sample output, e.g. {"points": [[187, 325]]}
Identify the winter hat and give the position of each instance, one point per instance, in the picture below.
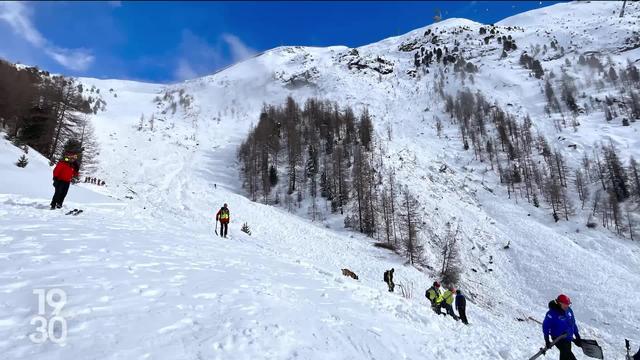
{"points": [[436, 284], [563, 299]]}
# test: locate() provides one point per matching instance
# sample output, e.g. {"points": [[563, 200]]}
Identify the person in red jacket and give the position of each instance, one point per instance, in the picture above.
{"points": [[223, 217], [63, 173]]}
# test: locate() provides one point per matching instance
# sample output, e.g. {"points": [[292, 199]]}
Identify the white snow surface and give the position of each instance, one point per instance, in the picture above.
{"points": [[146, 277]]}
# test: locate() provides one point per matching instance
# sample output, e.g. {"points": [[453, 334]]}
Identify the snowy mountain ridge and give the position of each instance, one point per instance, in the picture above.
{"points": [[147, 271]]}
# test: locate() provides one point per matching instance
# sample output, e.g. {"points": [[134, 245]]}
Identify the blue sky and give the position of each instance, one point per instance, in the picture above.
{"points": [[172, 41]]}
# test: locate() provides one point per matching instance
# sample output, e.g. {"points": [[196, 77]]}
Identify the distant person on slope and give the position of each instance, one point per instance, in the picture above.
{"points": [[388, 278], [461, 306], [63, 173], [223, 217], [433, 294], [558, 321], [446, 301]]}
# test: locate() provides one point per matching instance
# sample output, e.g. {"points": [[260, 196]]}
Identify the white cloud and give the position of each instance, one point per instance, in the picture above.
{"points": [[184, 70], [239, 51], [78, 59], [18, 16], [197, 57], [198, 47]]}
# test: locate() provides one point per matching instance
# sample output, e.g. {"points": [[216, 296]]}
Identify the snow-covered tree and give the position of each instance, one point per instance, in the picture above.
{"points": [[23, 161]]}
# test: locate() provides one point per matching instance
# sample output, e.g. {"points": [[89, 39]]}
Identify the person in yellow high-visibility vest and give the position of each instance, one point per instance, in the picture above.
{"points": [[446, 301], [223, 217], [433, 294]]}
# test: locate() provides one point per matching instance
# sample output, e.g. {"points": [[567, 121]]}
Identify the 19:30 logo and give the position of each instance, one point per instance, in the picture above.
{"points": [[53, 328]]}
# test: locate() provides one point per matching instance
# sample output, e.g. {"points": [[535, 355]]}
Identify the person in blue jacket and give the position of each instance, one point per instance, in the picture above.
{"points": [[558, 321], [461, 306]]}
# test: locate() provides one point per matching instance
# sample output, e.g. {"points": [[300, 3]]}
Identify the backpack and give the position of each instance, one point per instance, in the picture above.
{"points": [[386, 276], [426, 293], [436, 294]]}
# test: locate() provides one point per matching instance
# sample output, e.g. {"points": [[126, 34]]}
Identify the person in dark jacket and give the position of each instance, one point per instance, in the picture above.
{"points": [[63, 173], [223, 217], [461, 306], [433, 294], [388, 278], [558, 321]]}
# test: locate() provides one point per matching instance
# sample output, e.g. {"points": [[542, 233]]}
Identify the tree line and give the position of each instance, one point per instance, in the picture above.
{"points": [[329, 158], [47, 112], [563, 97], [532, 170]]}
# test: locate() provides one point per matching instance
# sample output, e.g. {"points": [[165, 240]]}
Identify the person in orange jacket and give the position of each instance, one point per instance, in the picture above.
{"points": [[223, 217], [63, 173]]}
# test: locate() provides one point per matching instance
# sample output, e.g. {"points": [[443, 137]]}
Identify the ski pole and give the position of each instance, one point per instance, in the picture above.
{"points": [[626, 344]]}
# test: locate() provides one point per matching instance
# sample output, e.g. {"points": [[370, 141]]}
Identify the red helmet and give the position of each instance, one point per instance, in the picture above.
{"points": [[563, 299]]}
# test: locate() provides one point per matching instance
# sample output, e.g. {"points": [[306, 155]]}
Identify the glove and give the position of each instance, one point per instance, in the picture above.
{"points": [[547, 343], [578, 342]]}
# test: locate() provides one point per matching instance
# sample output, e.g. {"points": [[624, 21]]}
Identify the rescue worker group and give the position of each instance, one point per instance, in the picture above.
{"points": [[559, 327], [439, 299]]}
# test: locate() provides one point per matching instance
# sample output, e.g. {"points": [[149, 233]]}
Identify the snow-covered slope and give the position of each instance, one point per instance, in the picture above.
{"points": [[146, 277]]}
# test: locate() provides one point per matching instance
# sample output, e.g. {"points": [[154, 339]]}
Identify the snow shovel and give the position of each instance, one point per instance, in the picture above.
{"points": [[544, 350], [591, 349]]}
